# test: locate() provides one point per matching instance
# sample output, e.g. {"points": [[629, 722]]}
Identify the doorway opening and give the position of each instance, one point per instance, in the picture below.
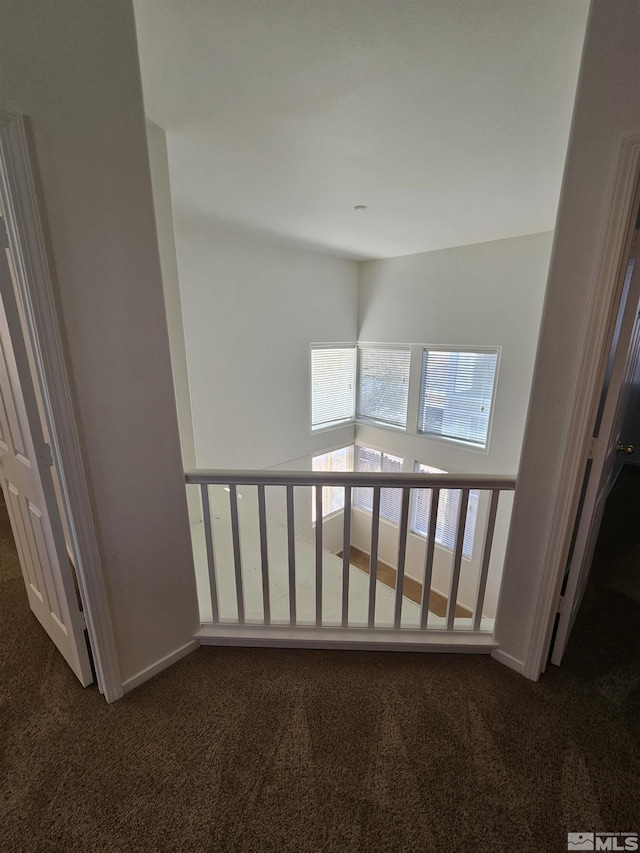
{"points": [[41, 468], [612, 434], [605, 644]]}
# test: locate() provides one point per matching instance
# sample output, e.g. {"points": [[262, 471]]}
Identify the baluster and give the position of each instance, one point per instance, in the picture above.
{"points": [[373, 563], [428, 563], [486, 558], [264, 555], [208, 534], [319, 490], [291, 543], [402, 551], [346, 555], [457, 559], [237, 559]]}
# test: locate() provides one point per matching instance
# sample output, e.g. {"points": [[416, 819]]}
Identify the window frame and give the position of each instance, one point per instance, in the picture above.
{"points": [[460, 442], [339, 424], [368, 419]]}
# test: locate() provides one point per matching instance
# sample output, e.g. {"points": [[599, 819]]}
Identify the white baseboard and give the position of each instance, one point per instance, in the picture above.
{"points": [[508, 660], [158, 666]]}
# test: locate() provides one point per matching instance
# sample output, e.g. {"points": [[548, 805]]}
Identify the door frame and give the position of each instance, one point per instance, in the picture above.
{"points": [[606, 292], [28, 244], [606, 465]]}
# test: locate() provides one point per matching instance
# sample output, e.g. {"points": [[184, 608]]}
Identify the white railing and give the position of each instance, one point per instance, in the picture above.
{"points": [[289, 481]]}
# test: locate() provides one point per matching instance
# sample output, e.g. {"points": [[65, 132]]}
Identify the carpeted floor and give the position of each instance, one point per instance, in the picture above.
{"points": [[268, 750]]}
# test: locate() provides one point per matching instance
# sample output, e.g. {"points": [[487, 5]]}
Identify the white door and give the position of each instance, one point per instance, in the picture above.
{"points": [[27, 484], [603, 463]]}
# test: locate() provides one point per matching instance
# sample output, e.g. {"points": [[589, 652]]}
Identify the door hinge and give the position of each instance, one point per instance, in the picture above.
{"points": [[597, 449], [561, 604], [44, 456]]}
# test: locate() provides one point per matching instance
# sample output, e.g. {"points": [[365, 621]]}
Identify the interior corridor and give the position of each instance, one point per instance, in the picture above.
{"points": [[604, 648]]}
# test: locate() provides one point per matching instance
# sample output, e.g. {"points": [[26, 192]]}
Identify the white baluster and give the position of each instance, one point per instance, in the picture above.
{"points": [[237, 559], [291, 543], [318, 497], [264, 555], [428, 563], [373, 562], [208, 534], [402, 551], [486, 559], [457, 559], [346, 556]]}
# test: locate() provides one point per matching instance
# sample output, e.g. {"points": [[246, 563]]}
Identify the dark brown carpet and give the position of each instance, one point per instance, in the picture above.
{"points": [[267, 750]]}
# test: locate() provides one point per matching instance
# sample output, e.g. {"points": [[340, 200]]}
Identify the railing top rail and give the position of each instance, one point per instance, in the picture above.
{"points": [[223, 477]]}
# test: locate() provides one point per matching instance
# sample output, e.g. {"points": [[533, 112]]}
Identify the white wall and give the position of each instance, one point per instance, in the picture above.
{"points": [[72, 67], [607, 110], [161, 183], [488, 294], [251, 307]]}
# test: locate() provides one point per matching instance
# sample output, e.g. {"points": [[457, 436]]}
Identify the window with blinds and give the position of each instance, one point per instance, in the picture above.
{"points": [[333, 383], [332, 496], [456, 394], [383, 384], [448, 509], [368, 459]]}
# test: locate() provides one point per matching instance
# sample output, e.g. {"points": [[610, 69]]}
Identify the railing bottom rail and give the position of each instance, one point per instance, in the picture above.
{"points": [[312, 637]]}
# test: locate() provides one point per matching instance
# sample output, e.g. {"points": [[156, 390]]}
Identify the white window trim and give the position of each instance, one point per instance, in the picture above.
{"points": [[413, 402], [362, 419], [380, 424], [468, 445], [337, 424]]}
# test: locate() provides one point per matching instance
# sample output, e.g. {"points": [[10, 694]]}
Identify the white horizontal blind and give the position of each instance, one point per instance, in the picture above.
{"points": [[383, 384], [456, 394], [333, 374], [448, 509], [332, 496], [368, 459]]}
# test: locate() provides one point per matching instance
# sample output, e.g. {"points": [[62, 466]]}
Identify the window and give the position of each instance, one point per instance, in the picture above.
{"points": [[383, 384], [456, 394], [368, 459], [333, 373], [448, 509], [332, 496]]}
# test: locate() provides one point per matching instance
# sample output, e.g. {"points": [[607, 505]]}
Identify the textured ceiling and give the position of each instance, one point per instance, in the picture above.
{"points": [[449, 120]]}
